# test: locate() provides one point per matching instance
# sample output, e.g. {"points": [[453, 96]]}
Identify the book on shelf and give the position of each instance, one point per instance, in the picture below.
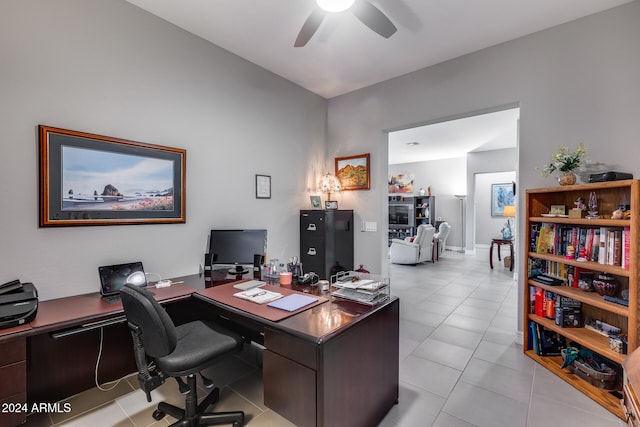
{"points": [[595, 250], [535, 230], [601, 327], [603, 244], [617, 247], [568, 312], [546, 238], [545, 341], [550, 305], [539, 307], [626, 248], [258, 295], [543, 303], [536, 266]]}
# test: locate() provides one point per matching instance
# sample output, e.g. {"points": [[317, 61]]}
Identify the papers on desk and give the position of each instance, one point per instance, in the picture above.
{"points": [[293, 302], [258, 295], [366, 284], [364, 291]]}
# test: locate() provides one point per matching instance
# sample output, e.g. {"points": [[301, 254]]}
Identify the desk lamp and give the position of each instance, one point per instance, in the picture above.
{"points": [[330, 184]]}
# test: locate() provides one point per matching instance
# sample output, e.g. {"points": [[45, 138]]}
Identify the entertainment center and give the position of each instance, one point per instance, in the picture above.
{"points": [[407, 212]]}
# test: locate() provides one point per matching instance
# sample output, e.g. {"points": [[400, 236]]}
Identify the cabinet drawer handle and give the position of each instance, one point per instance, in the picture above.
{"points": [[311, 251], [311, 227]]}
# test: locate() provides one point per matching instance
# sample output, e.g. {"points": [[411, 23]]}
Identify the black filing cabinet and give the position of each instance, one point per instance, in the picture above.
{"points": [[326, 238]]}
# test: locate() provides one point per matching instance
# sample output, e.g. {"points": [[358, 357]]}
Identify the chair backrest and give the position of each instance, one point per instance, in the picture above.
{"points": [[443, 231], [424, 235], [426, 243], [159, 336], [420, 233]]}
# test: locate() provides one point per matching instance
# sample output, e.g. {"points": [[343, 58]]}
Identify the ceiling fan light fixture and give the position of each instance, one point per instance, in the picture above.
{"points": [[335, 5]]}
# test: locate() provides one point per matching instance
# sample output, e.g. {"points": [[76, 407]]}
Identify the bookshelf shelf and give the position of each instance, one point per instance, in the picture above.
{"points": [[590, 298], [538, 205], [607, 399], [583, 222], [592, 340], [587, 265]]}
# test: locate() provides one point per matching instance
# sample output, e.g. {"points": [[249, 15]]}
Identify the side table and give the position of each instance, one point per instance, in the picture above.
{"points": [[499, 242]]}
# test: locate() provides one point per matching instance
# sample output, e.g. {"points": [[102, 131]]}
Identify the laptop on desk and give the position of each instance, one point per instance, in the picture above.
{"points": [[114, 277]]}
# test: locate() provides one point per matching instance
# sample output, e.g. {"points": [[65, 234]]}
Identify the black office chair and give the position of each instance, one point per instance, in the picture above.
{"points": [[177, 351]]}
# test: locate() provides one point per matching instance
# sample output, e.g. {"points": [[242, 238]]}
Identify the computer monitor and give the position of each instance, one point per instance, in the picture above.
{"points": [[236, 247]]}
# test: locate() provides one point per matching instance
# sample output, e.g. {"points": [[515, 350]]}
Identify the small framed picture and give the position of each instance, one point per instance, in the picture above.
{"points": [[331, 204], [263, 186], [353, 172], [316, 202]]}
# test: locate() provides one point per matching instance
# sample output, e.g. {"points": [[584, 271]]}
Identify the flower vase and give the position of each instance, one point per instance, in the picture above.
{"points": [[567, 178]]}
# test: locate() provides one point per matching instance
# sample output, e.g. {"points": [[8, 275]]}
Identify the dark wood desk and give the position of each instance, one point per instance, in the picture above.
{"points": [[37, 367], [331, 365]]}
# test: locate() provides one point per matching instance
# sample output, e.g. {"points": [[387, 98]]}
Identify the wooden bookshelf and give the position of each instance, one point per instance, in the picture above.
{"points": [[610, 195], [610, 400]]}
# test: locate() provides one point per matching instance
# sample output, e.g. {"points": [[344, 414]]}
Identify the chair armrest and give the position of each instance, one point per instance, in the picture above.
{"points": [[403, 242]]}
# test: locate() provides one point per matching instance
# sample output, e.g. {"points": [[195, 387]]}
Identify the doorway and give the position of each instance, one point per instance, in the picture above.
{"points": [[447, 155]]}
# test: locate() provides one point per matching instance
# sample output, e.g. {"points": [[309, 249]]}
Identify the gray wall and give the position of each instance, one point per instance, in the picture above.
{"points": [[107, 67], [575, 83], [486, 226], [486, 162]]}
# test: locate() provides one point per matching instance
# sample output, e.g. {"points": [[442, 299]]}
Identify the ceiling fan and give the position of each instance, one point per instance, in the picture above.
{"points": [[367, 13]]}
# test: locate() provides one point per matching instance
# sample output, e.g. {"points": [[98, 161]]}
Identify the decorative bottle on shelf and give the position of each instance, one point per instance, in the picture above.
{"points": [[593, 206]]}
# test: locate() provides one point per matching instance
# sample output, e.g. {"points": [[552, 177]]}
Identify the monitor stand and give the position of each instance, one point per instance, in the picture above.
{"points": [[232, 269]]}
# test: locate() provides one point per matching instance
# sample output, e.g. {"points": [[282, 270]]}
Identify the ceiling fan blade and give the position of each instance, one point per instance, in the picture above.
{"points": [[373, 18], [309, 27]]}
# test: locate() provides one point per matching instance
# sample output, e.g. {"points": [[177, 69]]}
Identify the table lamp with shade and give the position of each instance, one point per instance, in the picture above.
{"points": [[508, 212], [330, 184]]}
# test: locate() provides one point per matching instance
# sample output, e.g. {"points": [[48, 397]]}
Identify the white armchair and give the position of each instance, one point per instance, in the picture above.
{"points": [[440, 239], [416, 251]]}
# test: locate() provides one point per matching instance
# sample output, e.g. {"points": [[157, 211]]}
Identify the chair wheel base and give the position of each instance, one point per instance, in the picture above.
{"points": [[158, 415]]}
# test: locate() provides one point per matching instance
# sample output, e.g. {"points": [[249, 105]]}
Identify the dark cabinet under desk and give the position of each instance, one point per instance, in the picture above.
{"points": [[326, 238]]}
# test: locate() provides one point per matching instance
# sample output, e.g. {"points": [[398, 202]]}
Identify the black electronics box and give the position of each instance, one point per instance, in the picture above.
{"points": [[568, 312], [18, 306], [609, 176]]}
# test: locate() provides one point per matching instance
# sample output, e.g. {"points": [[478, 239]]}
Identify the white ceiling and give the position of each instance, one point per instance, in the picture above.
{"points": [[344, 54], [455, 138]]}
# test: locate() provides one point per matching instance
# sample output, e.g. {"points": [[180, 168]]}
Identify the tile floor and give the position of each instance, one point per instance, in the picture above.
{"points": [[460, 364]]}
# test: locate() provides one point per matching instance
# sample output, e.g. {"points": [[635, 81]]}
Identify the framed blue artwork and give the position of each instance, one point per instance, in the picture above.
{"points": [[501, 196]]}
